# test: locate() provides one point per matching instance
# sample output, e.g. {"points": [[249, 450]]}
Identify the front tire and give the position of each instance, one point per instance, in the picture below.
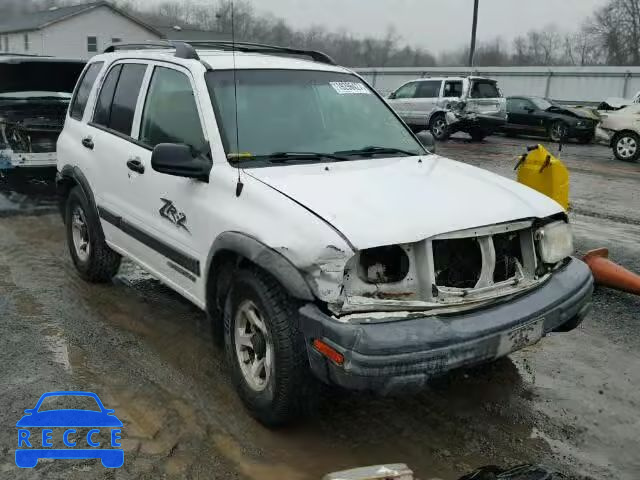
{"points": [[439, 128], [266, 350], [558, 131], [626, 146], [94, 260]]}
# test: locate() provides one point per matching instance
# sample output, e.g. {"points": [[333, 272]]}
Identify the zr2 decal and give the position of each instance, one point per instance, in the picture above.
{"points": [[171, 213]]}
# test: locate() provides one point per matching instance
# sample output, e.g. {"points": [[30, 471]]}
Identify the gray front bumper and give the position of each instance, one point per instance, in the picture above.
{"points": [[394, 355]]}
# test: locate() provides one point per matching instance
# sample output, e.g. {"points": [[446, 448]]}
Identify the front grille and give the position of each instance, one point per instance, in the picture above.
{"points": [[508, 256], [457, 263], [490, 257]]}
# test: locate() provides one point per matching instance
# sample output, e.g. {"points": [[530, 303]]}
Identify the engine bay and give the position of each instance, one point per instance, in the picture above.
{"points": [[31, 127]]}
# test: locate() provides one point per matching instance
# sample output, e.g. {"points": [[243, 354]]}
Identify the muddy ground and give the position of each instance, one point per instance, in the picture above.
{"points": [[572, 401]]}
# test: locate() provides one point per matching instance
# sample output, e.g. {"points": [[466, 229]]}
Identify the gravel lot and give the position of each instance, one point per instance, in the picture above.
{"points": [[572, 401]]}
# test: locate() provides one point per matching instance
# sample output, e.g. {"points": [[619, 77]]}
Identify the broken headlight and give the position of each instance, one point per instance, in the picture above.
{"points": [[383, 264], [555, 242]]}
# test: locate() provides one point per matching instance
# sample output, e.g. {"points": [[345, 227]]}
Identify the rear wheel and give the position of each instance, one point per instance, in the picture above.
{"points": [[439, 128], [626, 146], [266, 350], [93, 258]]}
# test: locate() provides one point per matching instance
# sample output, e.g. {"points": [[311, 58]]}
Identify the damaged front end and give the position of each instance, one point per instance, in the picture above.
{"points": [[34, 97], [29, 132], [451, 272]]}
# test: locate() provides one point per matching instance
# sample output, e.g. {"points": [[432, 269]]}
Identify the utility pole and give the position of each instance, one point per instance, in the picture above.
{"points": [[474, 29]]}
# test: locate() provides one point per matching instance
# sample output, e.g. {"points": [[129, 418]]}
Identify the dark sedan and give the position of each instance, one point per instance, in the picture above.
{"points": [[539, 116]]}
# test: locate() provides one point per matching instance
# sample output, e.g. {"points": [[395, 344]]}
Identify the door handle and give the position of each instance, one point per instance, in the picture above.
{"points": [[87, 142], [136, 165]]}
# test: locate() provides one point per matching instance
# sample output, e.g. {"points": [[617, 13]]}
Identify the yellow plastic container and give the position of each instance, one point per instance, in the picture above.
{"points": [[543, 172]]}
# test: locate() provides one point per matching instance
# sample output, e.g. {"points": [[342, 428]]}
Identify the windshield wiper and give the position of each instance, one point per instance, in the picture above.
{"points": [[373, 150], [281, 157]]}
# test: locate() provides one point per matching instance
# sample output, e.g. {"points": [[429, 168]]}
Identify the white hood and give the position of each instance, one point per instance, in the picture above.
{"points": [[399, 200]]}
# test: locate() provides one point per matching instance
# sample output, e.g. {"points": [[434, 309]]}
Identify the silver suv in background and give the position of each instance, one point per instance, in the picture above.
{"points": [[446, 105]]}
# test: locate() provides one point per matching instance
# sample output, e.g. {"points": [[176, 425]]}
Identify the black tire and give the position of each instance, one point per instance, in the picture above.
{"points": [[439, 128], [101, 263], [291, 390], [558, 131], [477, 135], [632, 142]]}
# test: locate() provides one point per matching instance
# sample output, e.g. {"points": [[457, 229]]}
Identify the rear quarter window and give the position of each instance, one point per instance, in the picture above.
{"points": [[484, 89], [81, 96]]}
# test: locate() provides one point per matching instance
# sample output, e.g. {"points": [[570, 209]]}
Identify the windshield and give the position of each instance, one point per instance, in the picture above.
{"points": [[541, 103], [304, 111]]}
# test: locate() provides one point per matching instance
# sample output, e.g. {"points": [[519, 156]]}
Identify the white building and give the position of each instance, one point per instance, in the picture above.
{"points": [[78, 31]]}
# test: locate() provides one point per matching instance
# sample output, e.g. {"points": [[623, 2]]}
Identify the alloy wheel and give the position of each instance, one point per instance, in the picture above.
{"points": [[254, 346], [80, 233]]}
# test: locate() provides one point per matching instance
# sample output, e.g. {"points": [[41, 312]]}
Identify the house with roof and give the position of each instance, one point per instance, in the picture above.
{"points": [[78, 31]]}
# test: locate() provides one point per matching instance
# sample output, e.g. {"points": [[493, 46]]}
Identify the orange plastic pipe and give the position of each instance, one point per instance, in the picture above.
{"points": [[610, 274]]}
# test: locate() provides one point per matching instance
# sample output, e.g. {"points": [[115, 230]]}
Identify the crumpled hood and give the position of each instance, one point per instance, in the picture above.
{"points": [[576, 112], [401, 200]]}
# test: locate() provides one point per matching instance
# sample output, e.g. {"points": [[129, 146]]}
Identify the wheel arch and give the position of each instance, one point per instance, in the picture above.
{"points": [[68, 178], [232, 250]]}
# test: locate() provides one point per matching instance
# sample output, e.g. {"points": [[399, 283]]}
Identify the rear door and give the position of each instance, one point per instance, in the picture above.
{"points": [[73, 147], [111, 132], [451, 92]]}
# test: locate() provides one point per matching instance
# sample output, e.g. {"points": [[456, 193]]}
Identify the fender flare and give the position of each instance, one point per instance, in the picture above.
{"points": [[433, 113], [65, 180], [266, 258]]}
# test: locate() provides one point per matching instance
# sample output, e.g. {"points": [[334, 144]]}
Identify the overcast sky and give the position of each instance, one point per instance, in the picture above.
{"points": [[435, 24]]}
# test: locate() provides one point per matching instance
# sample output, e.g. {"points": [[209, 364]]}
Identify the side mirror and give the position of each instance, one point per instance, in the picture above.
{"points": [[178, 159], [427, 140], [29, 410]]}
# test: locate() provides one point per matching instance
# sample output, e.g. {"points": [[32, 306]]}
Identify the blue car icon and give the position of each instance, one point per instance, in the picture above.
{"points": [[68, 418]]}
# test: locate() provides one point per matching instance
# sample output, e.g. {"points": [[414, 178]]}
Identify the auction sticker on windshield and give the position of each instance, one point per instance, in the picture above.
{"points": [[350, 88]]}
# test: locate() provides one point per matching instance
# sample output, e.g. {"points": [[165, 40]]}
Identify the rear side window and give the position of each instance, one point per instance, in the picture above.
{"points": [[79, 102], [125, 98], [484, 89], [170, 112], [102, 115], [428, 89], [453, 89]]}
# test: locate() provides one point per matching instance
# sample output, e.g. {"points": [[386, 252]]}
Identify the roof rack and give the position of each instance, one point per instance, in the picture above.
{"points": [[186, 49], [183, 49], [261, 48]]}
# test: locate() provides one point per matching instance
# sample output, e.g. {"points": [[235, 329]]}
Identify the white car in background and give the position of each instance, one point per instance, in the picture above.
{"points": [[34, 97], [622, 130]]}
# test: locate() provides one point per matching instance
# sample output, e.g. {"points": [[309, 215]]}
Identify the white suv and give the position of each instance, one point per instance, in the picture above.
{"points": [[285, 198], [473, 105]]}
